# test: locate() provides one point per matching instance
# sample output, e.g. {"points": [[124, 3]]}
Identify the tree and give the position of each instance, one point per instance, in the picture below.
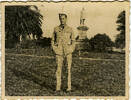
{"points": [[100, 42], [120, 38], [22, 21], [86, 44]]}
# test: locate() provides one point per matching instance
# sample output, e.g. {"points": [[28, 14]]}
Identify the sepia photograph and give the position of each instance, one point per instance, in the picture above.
{"points": [[62, 49]]}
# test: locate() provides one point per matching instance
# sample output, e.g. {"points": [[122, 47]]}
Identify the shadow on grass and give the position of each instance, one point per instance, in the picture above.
{"points": [[28, 75]]}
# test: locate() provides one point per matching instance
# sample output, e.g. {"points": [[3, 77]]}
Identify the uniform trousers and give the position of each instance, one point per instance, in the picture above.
{"points": [[60, 60]]}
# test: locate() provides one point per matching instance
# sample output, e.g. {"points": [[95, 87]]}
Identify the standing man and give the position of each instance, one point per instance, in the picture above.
{"points": [[63, 43]]}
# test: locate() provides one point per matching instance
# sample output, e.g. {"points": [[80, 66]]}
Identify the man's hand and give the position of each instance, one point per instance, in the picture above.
{"points": [[55, 44]]}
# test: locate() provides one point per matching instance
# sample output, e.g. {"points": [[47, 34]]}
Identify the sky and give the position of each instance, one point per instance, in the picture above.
{"points": [[100, 17]]}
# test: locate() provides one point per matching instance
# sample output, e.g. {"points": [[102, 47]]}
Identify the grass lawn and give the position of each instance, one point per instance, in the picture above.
{"points": [[35, 76]]}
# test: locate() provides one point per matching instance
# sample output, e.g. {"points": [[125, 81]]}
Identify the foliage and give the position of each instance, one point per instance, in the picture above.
{"points": [[22, 21], [100, 42], [33, 44], [28, 44], [120, 38], [86, 45], [44, 42]]}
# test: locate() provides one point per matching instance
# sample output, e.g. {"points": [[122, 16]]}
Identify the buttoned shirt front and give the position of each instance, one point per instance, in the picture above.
{"points": [[63, 40]]}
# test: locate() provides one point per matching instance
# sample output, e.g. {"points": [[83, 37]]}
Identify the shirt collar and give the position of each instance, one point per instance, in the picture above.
{"points": [[65, 26]]}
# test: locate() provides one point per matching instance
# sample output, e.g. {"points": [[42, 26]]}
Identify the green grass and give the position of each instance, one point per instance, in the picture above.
{"points": [[34, 76]]}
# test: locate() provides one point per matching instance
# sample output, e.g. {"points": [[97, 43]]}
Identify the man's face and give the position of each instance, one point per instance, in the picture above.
{"points": [[62, 19]]}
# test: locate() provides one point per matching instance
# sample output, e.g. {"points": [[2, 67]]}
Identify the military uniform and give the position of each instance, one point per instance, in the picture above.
{"points": [[63, 43]]}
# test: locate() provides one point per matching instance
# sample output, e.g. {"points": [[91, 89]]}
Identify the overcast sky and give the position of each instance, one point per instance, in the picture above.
{"points": [[100, 17]]}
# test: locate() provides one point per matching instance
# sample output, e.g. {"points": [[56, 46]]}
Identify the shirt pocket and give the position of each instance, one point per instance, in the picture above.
{"points": [[68, 38]]}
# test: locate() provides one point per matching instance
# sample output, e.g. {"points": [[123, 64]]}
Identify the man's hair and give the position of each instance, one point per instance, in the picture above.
{"points": [[62, 15]]}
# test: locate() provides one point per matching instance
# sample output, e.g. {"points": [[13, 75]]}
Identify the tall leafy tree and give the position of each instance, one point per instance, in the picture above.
{"points": [[120, 38], [100, 42], [22, 21]]}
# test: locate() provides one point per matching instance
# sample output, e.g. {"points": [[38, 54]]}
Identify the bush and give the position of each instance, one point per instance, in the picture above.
{"points": [[44, 42], [100, 43], [28, 44], [86, 45]]}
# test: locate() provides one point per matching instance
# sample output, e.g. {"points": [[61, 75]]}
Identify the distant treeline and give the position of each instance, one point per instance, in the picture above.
{"points": [[42, 42], [98, 43]]}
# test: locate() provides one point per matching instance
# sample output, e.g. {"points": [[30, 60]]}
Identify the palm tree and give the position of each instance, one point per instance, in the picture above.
{"points": [[21, 21]]}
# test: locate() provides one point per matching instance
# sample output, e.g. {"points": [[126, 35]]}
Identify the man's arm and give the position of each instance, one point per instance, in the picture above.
{"points": [[54, 37], [54, 43], [72, 37]]}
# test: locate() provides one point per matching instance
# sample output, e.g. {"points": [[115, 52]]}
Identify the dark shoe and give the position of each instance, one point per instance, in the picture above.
{"points": [[57, 91]]}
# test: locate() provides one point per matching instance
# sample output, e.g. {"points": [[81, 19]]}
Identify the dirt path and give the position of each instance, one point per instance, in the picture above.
{"points": [[51, 57]]}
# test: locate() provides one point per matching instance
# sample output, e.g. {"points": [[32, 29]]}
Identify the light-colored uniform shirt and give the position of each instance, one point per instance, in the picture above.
{"points": [[63, 40]]}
